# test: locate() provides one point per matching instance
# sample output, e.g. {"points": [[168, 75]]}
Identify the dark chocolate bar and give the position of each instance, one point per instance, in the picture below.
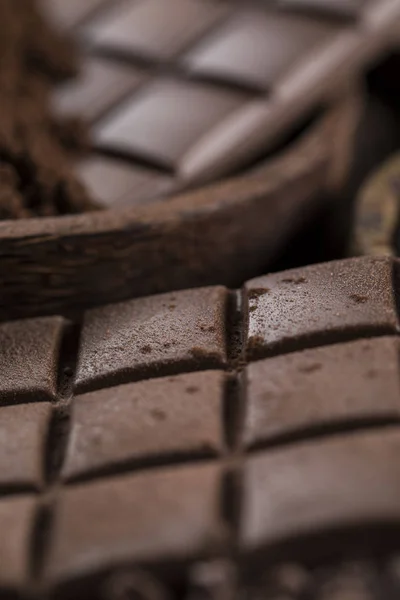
{"points": [[207, 443], [180, 92]]}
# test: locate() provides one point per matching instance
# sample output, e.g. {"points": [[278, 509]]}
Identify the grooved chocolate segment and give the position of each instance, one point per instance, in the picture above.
{"points": [[154, 28], [320, 304], [101, 84], [345, 382], [258, 47], [28, 358], [23, 433], [167, 417], [313, 487], [169, 514], [167, 120], [16, 523], [154, 335], [113, 183]]}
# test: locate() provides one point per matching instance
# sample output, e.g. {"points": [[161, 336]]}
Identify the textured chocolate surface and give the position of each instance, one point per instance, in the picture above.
{"points": [[28, 358], [320, 303], [23, 434], [148, 484], [320, 388], [168, 332], [321, 485], [16, 517], [177, 510], [147, 421]]}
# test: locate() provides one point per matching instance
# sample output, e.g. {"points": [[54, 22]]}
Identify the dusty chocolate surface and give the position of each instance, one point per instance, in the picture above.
{"points": [[35, 170], [147, 450]]}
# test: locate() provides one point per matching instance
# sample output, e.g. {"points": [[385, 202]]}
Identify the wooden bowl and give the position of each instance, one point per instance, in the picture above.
{"points": [[222, 233]]}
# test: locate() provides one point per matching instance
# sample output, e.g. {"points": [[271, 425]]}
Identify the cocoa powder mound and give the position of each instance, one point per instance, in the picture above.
{"points": [[36, 148]]}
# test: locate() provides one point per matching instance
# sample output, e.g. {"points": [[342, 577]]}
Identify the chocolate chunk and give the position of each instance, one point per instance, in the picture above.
{"points": [[320, 304], [23, 433], [114, 183], [151, 421], [170, 513], [257, 48], [28, 359], [322, 387], [153, 336], [101, 84], [16, 522], [157, 126], [154, 29], [320, 485]]}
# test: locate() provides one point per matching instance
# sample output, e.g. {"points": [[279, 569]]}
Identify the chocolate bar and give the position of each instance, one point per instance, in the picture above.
{"points": [[182, 92], [207, 442]]}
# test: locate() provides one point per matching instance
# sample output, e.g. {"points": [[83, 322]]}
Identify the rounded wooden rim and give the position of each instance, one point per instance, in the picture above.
{"points": [[222, 233]]}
